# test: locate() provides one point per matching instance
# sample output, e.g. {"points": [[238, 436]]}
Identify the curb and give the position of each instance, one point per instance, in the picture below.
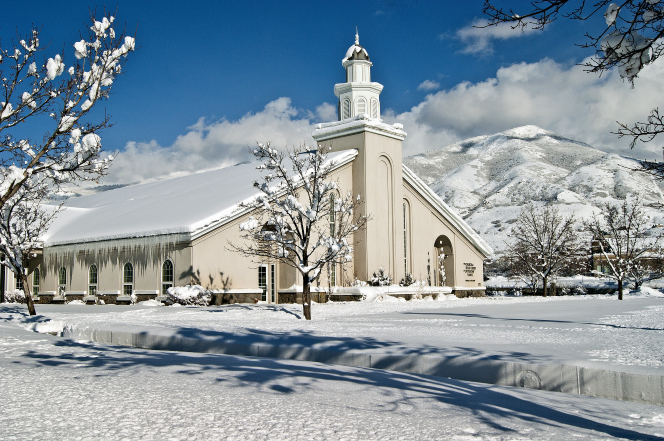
{"points": [[648, 389]]}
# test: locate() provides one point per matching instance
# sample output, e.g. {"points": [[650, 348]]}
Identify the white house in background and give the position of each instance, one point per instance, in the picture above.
{"points": [[144, 238]]}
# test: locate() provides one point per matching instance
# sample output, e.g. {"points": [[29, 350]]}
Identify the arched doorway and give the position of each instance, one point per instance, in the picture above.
{"points": [[444, 262]]}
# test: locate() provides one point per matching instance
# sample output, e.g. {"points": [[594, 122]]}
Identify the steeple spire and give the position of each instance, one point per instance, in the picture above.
{"points": [[358, 95]]}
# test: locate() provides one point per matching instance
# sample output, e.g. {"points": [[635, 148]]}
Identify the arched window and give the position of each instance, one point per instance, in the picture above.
{"points": [[333, 220], [127, 279], [92, 280], [35, 281], [406, 225], [346, 109], [374, 108], [62, 280], [361, 106], [166, 276], [262, 281]]}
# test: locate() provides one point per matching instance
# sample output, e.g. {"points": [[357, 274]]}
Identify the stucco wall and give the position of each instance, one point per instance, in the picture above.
{"points": [[464, 268], [377, 178], [110, 259], [217, 266]]}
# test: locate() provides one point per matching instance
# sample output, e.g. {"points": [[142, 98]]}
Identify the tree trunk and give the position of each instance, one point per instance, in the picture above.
{"points": [[306, 297], [620, 289], [28, 295], [545, 283]]}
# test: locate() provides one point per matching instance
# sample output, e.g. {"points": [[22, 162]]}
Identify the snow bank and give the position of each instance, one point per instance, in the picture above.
{"points": [[642, 292], [189, 295], [392, 293], [151, 302], [15, 296]]}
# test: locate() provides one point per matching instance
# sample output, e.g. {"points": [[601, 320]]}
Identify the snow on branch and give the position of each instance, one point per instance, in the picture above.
{"points": [[623, 242], [300, 218], [631, 38], [62, 89]]}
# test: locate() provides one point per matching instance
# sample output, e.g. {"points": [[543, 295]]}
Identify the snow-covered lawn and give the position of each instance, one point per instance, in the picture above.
{"points": [[592, 331], [60, 389]]}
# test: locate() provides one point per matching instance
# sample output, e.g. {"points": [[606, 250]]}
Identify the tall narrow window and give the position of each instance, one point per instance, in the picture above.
{"points": [[19, 282], [333, 220], [127, 279], [273, 283], [166, 276], [35, 281], [374, 108], [361, 106], [262, 281], [62, 280], [346, 109], [92, 280], [405, 240]]}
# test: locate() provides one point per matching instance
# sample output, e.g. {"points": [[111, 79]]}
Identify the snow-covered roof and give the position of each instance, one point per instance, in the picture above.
{"points": [[356, 52], [189, 205], [447, 212], [357, 124]]}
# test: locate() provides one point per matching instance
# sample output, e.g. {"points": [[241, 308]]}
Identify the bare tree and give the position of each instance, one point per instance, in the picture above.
{"points": [[299, 219], [544, 243], [41, 94], [631, 39], [622, 239]]}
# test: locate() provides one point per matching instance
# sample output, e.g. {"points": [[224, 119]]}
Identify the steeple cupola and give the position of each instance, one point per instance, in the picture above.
{"points": [[358, 94]]}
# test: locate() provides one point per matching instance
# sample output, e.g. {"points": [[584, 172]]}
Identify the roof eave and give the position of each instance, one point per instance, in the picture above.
{"points": [[246, 210], [444, 209]]}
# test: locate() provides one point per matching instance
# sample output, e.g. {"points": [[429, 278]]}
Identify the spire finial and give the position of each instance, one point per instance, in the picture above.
{"points": [[357, 37]]}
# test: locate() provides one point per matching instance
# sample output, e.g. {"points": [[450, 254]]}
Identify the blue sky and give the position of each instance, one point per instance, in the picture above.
{"points": [[208, 78]]}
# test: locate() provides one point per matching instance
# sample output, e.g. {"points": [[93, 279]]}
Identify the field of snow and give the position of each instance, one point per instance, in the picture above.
{"points": [[61, 389], [591, 331]]}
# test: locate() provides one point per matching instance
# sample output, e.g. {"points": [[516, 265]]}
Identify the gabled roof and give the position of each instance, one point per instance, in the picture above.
{"points": [[444, 209], [188, 206]]}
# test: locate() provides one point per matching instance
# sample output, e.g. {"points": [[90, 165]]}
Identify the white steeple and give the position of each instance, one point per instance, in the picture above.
{"points": [[358, 94]]}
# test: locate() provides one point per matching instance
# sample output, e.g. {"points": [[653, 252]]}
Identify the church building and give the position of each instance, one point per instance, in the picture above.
{"points": [[142, 239]]}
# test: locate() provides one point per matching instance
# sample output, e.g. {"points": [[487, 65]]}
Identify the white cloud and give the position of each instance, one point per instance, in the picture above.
{"points": [[207, 145], [479, 40], [564, 99], [554, 96], [326, 112], [429, 85]]}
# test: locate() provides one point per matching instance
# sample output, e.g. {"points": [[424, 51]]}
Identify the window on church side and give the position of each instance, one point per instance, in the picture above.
{"points": [[35, 281], [62, 280], [262, 281], [128, 279], [333, 220], [19, 282], [166, 276], [405, 240], [92, 280], [374, 108]]}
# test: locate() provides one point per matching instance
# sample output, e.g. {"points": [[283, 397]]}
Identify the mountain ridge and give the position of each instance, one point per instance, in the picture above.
{"points": [[488, 178]]}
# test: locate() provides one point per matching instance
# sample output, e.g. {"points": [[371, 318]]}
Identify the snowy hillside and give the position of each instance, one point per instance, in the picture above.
{"points": [[488, 178]]}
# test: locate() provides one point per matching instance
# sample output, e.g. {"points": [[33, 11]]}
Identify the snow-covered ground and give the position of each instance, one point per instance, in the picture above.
{"points": [[60, 389], [591, 331]]}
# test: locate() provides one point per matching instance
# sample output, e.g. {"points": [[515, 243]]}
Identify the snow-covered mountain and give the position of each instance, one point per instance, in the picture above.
{"points": [[487, 179]]}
